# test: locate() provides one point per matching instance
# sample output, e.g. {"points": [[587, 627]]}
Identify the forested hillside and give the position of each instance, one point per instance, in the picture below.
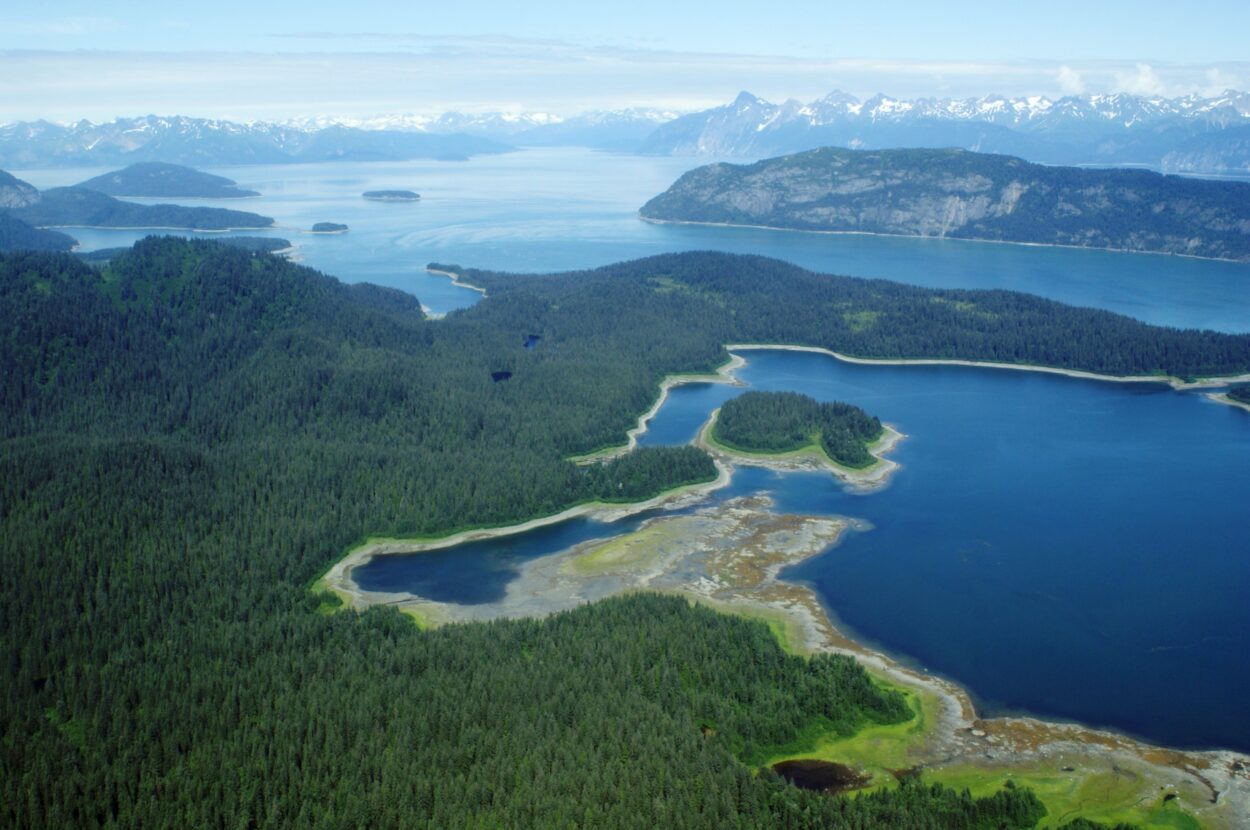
{"points": [[191, 435], [750, 299]]}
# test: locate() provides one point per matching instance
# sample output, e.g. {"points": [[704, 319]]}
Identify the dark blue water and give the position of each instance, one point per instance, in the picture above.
{"points": [[567, 208], [1069, 548]]}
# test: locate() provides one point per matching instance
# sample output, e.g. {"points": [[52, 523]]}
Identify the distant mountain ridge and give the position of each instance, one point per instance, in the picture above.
{"points": [[203, 141], [965, 195], [621, 130], [1191, 134]]}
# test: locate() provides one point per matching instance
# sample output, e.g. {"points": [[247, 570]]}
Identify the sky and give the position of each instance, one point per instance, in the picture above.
{"points": [[71, 59]]}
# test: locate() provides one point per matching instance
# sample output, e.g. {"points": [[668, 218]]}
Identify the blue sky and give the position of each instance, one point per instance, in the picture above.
{"points": [[93, 59]]}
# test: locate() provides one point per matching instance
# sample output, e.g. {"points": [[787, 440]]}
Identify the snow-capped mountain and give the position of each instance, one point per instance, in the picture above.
{"points": [[202, 141], [1192, 133], [601, 129]]}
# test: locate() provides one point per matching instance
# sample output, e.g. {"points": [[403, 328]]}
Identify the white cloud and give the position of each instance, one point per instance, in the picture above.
{"points": [[477, 74], [1143, 80], [1069, 80]]}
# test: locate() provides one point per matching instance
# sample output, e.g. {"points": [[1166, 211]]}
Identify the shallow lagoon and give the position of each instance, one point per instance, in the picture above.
{"points": [[1070, 548]]}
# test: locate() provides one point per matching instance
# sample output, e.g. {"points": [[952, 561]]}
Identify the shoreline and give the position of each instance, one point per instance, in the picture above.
{"points": [[456, 281], [723, 374], [1223, 398], [338, 577], [873, 477], [655, 221], [271, 227], [952, 737], [946, 739], [1175, 382]]}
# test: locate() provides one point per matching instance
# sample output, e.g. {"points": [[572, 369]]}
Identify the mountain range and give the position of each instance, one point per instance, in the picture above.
{"points": [[1190, 134], [202, 141]]}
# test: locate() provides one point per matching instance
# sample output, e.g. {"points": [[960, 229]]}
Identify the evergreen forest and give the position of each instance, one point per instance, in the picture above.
{"points": [[192, 433]]}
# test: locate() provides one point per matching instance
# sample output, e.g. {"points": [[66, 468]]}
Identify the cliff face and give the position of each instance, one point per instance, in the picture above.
{"points": [[15, 193], [959, 194]]}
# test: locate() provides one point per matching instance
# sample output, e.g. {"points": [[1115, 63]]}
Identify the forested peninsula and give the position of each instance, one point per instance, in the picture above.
{"points": [[16, 235], [160, 180], [84, 208], [194, 432], [80, 207], [964, 195]]}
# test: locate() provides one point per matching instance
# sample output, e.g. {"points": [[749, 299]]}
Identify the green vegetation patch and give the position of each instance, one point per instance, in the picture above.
{"points": [[1110, 797]]}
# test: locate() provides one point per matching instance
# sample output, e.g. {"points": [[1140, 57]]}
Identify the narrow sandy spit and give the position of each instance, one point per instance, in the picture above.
{"points": [[456, 281], [1222, 397], [1174, 382]]}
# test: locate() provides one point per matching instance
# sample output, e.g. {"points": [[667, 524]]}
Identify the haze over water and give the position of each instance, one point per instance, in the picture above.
{"points": [[560, 209]]}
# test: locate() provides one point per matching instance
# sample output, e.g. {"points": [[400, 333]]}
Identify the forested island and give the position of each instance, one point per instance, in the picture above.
{"points": [[965, 195], [781, 422], [223, 424], [1240, 393], [391, 196], [329, 227], [80, 207], [16, 235], [160, 180]]}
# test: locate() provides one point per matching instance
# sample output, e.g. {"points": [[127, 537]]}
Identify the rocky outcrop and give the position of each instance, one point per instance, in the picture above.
{"points": [[960, 194], [15, 193]]}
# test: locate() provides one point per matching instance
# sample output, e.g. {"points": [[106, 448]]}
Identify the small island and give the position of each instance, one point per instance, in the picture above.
{"points": [[775, 423], [329, 227], [159, 180], [391, 196], [1240, 394]]}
